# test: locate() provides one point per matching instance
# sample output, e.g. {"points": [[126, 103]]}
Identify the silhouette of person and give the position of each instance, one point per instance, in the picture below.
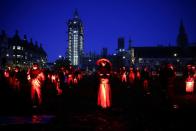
{"points": [[36, 78], [104, 91]]}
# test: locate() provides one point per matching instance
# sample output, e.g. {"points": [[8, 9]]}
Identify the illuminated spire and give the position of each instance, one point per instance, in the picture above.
{"points": [[75, 40]]}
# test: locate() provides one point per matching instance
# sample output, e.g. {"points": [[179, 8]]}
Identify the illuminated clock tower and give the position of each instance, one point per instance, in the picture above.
{"points": [[75, 40]]}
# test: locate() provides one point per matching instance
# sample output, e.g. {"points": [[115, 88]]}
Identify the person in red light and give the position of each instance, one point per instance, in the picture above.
{"points": [[131, 76], [189, 78], [104, 91], [70, 76], [16, 78], [77, 76], [7, 77], [56, 81], [167, 77], [123, 75], [36, 78], [145, 76], [137, 73], [6, 73], [190, 84]]}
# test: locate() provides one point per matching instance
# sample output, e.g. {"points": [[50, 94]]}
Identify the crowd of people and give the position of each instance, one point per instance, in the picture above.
{"points": [[37, 83]]}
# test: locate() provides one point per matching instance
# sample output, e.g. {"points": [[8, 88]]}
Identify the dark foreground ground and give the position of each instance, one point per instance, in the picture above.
{"points": [[132, 109]]}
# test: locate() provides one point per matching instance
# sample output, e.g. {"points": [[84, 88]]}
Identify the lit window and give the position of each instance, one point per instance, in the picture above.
{"points": [[18, 56], [14, 47], [175, 54], [124, 57], [7, 55], [18, 47], [140, 60]]}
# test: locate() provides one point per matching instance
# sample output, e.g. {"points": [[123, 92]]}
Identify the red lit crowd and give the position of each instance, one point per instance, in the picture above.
{"points": [[35, 81]]}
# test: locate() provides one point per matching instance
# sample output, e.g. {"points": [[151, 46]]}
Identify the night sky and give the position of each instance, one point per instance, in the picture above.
{"points": [[146, 22]]}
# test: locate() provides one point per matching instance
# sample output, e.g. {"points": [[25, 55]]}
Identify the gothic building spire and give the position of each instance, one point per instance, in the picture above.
{"points": [[130, 44], [25, 37], [76, 15], [182, 39]]}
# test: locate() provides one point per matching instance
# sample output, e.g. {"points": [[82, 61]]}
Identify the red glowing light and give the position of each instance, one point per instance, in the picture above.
{"points": [[56, 81], [145, 84], [79, 76], [36, 87], [36, 119], [6, 74], [70, 79], [104, 93], [138, 75], [131, 76], [75, 81], [124, 77], [28, 77], [53, 78], [103, 60], [189, 85], [35, 67]]}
